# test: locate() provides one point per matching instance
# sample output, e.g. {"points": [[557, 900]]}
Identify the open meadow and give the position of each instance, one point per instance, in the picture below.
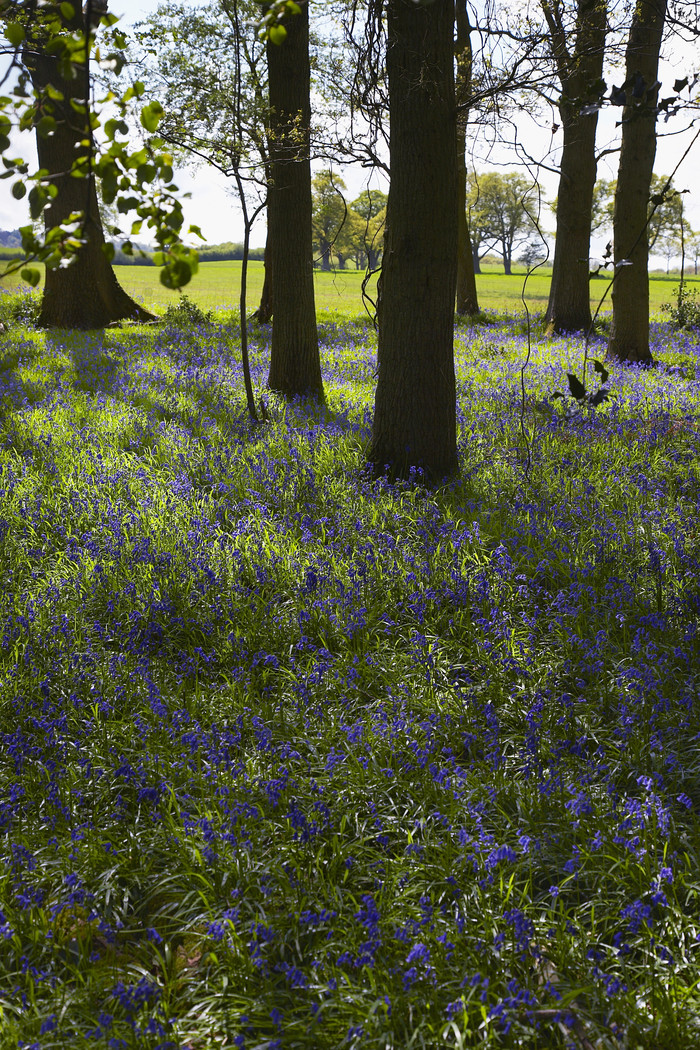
{"points": [[294, 758], [216, 287]]}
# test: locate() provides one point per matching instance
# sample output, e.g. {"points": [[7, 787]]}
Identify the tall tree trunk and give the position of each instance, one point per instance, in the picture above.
{"points": [[295, 365], [629, 339], [86, 293], [415, 404], [569, 307], [467, 299]]}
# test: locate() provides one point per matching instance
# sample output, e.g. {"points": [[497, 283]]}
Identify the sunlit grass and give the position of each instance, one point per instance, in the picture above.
{"points": [[216, 287], [294, 758]]}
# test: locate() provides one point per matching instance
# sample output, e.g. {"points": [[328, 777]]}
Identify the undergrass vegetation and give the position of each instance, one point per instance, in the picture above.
{"points": [[295, 758]]}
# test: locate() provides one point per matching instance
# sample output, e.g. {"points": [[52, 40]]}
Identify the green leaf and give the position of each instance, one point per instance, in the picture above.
{"points": [[151, 115], [19, 190], [277, 34], [14, 32], [46, 126], [176, 274], [108, 249], [68, 11], [30, 275]]}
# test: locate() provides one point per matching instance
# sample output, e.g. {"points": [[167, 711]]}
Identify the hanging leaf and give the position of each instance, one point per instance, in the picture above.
{"points": [[151, 115], [600, 395], [277, 34], [14, 32], [30, 275]]}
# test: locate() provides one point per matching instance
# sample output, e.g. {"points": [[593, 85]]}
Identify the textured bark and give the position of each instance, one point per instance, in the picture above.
{"points": [[295, 366], [86, 293], [263, 314], [415, 405], [629, 339], [467, 299], [580, 72]]}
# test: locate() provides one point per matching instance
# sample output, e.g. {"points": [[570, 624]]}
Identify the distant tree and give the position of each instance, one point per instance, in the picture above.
{"points": [[415, 405], [208, 69], [330, 213], [371, 207], [692, 250], [665, 211], [629, 338], [577, 51], [500, 212], [295, 365]]}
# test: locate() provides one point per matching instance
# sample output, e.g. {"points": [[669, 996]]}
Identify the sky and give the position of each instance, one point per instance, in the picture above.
{"points": [[213, 207]]}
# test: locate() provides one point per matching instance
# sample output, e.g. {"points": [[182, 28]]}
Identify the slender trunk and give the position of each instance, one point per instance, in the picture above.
{"points": [[476, 261], [467, 300], [415, 405], [84, 294], [295, 365], [569, 307], [629, 339]]}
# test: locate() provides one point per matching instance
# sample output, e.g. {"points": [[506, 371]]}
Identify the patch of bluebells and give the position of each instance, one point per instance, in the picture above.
{"points": [[409, 731]]}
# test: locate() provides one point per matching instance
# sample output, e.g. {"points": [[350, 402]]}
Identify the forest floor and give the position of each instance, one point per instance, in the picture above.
{"points": [[294, 758]]}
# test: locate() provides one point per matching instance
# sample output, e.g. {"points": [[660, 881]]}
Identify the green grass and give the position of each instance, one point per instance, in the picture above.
{"points": [[291, 758], [217, 284]]}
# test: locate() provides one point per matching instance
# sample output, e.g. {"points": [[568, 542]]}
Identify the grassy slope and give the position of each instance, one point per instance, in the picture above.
{"points": [[293, 759], [217, 284]]}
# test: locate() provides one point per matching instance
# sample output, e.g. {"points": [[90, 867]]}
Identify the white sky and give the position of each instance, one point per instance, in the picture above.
{"points": [[214, 209]]}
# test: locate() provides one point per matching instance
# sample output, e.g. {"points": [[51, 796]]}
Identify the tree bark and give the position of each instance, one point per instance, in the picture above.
{"points": [[629, 339], [263, 314], [295, 366], [415, 404], [569, 307], [467, 299], [86, 293]]}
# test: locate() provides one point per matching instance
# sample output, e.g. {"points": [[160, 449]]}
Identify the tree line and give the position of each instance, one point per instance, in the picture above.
{"points": [[397, 90]]}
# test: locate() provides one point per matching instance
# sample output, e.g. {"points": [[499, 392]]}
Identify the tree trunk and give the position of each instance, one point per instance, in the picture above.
{"points": [[467, 300], [629, 339], [295, 366], [569, 307], [263, 314], [86, 293], [415, 404], [476, 261], [325, 254], [507, 267]]}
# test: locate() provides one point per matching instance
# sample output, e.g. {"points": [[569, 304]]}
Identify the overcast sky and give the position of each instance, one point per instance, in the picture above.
{"points": [[214, 209]]}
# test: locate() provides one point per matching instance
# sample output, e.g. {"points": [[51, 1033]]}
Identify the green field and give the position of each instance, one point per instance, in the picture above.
{"points": [[216, 286]]}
